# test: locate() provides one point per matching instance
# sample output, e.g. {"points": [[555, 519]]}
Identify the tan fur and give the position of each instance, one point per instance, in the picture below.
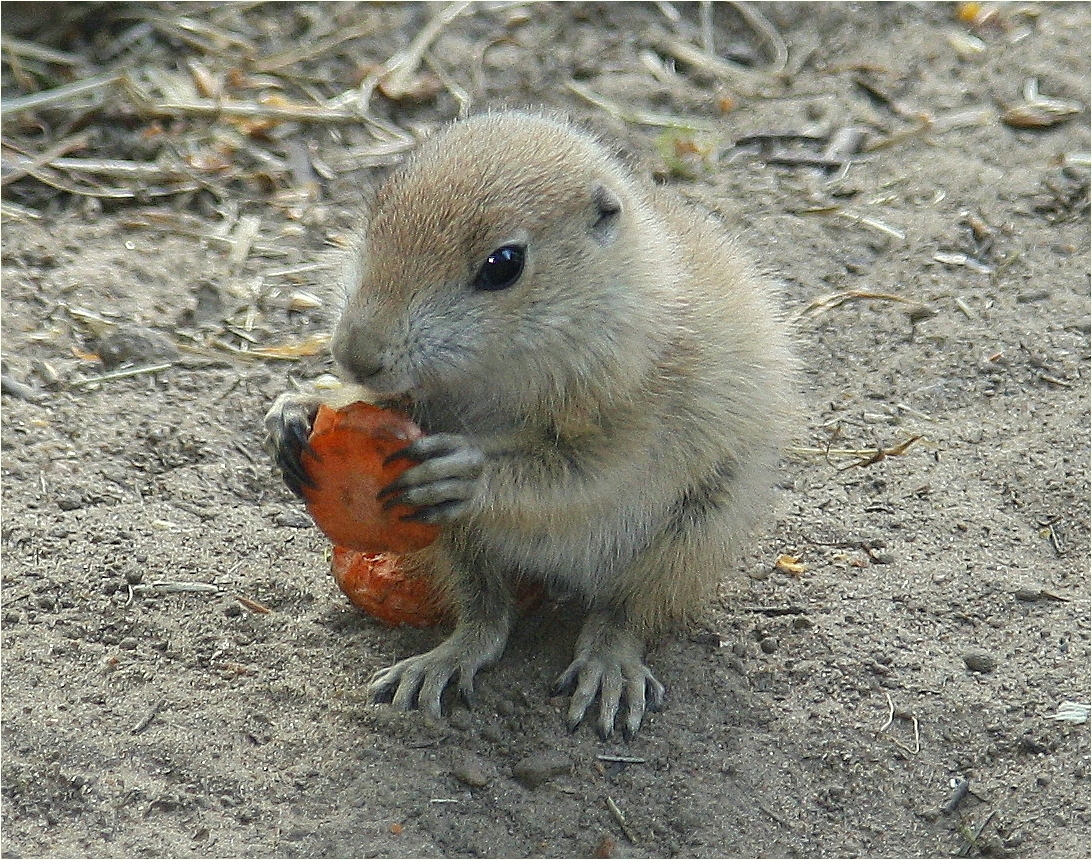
{"points": [[628, 393]]}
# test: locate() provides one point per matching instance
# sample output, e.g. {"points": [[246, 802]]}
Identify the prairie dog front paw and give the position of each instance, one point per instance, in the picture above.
{"points": [[442, 483], [287, 427]]}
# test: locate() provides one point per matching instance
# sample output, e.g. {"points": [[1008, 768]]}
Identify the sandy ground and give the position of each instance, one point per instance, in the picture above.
{"points": [[940, 616]]}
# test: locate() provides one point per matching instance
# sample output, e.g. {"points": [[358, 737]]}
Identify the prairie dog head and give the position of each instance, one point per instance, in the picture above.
{"points": [[510, 270]]}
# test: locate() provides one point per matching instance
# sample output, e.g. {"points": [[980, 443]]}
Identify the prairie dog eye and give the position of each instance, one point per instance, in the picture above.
{"points": [[501, 268]]}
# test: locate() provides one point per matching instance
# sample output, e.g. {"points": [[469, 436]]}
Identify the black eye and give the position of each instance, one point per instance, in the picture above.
{"points": [[501, 269]]}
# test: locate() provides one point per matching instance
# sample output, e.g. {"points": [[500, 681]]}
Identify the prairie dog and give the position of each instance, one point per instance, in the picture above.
{"points": [[602, 379]]}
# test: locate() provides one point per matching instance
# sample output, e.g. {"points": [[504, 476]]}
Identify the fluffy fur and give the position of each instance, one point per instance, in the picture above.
{"points": [[622, 402]]}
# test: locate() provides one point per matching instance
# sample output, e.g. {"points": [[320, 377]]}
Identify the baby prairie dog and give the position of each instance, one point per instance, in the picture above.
{"points": [[602, 382]]}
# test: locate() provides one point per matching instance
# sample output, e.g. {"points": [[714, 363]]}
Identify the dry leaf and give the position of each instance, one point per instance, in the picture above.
{"points": [[790, 564]]}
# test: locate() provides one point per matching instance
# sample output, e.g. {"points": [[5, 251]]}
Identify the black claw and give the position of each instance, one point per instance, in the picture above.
{"points": [[294, 475], [296, 434], [289, 456], [293, 485], [394, 501], [432, 514], [562, 686], [403, 454], [383, 696], [395, 486], [425, 516]]}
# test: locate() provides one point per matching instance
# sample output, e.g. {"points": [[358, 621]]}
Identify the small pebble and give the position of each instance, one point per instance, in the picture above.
{"points": [[129, 643], [293, 519], [70, 502], [534, 770], [495, 733], [136, 345], [460, 719], [980, 661], [134, 577], [470, 770], [768, 645], [233, 610]]}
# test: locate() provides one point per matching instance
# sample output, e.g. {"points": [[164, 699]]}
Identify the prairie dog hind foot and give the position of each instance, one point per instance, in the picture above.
{"points": [[609, 665]]}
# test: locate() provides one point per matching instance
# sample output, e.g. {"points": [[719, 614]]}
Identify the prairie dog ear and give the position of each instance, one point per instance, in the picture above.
{"points": [[608, 206]]}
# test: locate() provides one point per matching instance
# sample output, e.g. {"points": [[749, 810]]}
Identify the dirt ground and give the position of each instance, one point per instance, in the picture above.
{"points": [[936, 616]]}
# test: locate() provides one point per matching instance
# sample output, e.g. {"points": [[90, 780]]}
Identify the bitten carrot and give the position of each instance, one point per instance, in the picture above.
{"points": [[377, 584], [348, 469]]}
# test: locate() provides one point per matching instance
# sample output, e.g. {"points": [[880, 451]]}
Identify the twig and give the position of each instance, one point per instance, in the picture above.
{"points": [[890, 714], [78, 141], [637, 115], [622, 759], [106, 193], [123, 374], [253, 605], [835, 300], [881, 454], [964, 308], [705, 23], [399, 69], [864, 220], [39, 52], [902, 407], [1053, 380], [47, 98], [758, 22], [252, 110], [875, 223], [148, 717], [925, 124], [831, 452], [313, 49], [110, 167], [195, 32], [972, 841], [891, 717], [732, 73], [16, 212], [963, 260], [621, 819], [959, 791]]}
